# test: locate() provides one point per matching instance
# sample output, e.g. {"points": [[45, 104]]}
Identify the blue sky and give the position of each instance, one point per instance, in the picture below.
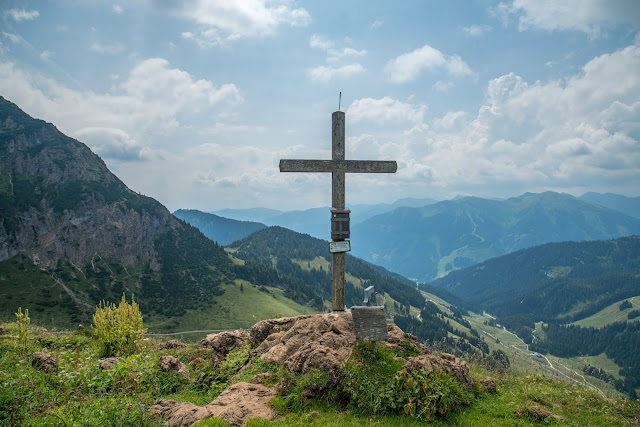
{"points": [[194, 102]]}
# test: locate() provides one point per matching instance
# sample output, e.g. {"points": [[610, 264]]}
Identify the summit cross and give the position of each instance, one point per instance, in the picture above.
{"points": [[338, 167]]}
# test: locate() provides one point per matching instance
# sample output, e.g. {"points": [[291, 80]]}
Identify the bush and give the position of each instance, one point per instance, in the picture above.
{"points": [[118, 328], [376, 383], [23, 328]]}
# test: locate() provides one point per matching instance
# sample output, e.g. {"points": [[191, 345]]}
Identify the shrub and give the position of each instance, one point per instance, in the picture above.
{"points": [[23, 328], [377, 384], [118, 328]]}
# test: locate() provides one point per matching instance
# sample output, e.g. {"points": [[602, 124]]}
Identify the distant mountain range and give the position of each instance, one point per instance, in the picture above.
{"points": [[315, 221], [424, 239], [221, 230], [429, 242]]}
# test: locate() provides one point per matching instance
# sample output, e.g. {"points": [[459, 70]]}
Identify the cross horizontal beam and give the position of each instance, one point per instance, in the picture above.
{"points": [[348, 166]]}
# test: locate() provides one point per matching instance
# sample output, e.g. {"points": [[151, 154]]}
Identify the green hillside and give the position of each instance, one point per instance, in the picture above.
{"points": [[566, 281], [432, 241]]}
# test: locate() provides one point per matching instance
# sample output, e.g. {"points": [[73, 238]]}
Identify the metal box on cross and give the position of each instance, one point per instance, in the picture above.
{"points": [[340, 229]]}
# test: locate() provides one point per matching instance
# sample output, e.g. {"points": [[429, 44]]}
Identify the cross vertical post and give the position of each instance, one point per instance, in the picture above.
{"points": [[337, 199], [338, 167]]}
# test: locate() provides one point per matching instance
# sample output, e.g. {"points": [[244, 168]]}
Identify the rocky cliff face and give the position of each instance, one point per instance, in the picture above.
{"points": [[59, 200]]}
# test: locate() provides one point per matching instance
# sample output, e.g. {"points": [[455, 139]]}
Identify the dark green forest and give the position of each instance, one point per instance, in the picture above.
{"points": [[279, 246]]}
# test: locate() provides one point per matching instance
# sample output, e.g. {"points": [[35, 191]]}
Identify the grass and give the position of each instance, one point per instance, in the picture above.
{"points": [[607, 315], [80, 393], [238, 308]]}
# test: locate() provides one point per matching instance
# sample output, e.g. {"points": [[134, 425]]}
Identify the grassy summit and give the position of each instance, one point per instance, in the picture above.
{"points": [[79, 392]]}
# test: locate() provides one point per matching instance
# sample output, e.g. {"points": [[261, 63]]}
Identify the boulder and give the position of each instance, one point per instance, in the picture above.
{"points": [[538, 414], [224, 342], [488, 385], [400, 340], [44, 362], [323, 341], [447, 363], [236, 405], [172, 364], [110, 363]]}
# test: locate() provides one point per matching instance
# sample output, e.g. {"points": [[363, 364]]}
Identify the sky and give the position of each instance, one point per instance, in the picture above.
{"points": [[195, 102]]}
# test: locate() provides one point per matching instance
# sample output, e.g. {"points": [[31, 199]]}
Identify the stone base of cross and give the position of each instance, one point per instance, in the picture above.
{"points": [[338, 167]]}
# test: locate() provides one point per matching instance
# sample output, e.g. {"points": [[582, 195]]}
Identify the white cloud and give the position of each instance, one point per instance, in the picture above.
{"points": [[152, 102], [113, 143], [441, 86], [45, 55], [377, 24], [477, 30], [118, 9], [385, 109], [581, 134], [407, 67], [107, 48], [221, 22], [333, 55], [588, 16], [323, 74], [22, 14], [13, 38]]}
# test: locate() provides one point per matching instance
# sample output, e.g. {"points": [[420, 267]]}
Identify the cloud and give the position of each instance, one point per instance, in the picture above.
{"points": [[477, 30], [113, 143], [407, 67], [22, 14], [151, 104], [377, 24], [588, 16], [222, 22], [107, 49], [385, 109], [46, 54], [575, 135], [323, 74], [118, 9], [441, 86], [13, 38]]}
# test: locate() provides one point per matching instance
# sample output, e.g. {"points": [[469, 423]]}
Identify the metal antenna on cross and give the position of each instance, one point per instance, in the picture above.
{"points": [[339, 100]]}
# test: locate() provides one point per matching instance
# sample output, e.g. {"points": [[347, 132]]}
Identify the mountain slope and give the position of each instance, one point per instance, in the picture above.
{"points": [[221, 230], [553, 282], [63, 211], [429, 242], [307, 259], [627, 205]]}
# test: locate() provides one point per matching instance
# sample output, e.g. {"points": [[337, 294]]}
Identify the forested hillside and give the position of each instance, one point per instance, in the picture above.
{"points": [[306, 260], [431, 241]]}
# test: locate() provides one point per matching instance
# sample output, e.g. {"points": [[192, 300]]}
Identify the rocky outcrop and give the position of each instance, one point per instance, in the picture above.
{"points": [[236, 405], [172, 364], [224, 342], [447, 363], [323, 341], [110, 363], [44, 362], [538, 414]]}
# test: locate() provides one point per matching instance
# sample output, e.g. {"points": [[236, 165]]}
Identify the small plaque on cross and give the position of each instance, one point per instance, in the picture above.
{"points": [[369, 323]]}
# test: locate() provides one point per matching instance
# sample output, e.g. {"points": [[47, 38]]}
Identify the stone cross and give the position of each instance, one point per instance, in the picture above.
{"points": [[338, 166]]}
